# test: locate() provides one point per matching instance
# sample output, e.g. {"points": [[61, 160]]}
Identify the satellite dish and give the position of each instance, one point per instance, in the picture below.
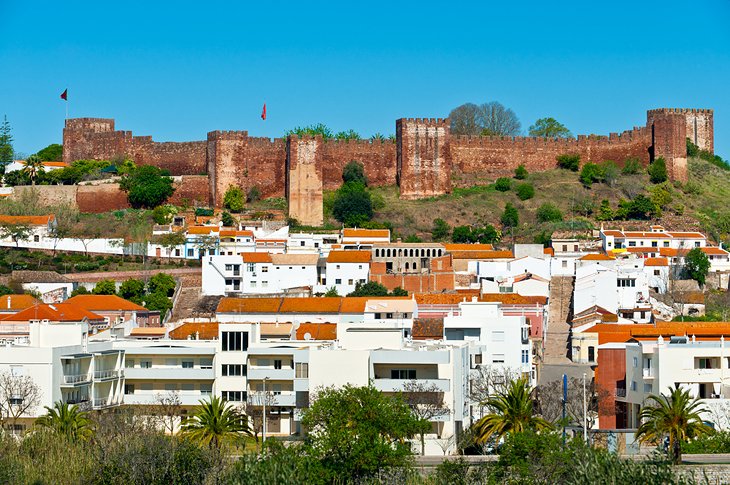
{"points": [[307, 336]]}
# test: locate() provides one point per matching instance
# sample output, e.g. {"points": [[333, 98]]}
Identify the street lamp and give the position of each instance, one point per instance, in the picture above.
{"points": [[263, 433], [585, 411]]}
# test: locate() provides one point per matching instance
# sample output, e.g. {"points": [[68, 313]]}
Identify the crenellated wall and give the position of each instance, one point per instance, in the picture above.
{"points": [[304, 179], [425, 160]]}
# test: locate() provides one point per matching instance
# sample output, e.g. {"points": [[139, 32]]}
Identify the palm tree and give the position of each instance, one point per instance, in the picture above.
{"points": [[216, 422], [676, 416], [67, 420], [33, 167], [513, 413]]}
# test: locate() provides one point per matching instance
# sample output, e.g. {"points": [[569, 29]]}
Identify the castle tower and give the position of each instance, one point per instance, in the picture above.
{"points": [[422, 157], [80, 137], [304, 179], [225, 150]]}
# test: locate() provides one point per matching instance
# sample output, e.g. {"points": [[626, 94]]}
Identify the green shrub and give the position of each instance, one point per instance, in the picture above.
{"points": [[658, 171], [521, 172], [228, 220], [589, 174], [254, 194], [569, 162], [549, 213], [233, 200], [441, 230], [510, 216], [632, 166], [503, 184], [525, 191]]}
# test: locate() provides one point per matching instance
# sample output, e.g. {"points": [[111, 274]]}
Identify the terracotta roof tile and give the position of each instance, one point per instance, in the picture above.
{"points": [[256, 257], [514, 299], [249, 305], [204, 230], [686, 235], [316, 331], [596, 257], [310, 305], [27, 220], [468, 247], [366, 233], [349, 257], [104, 303], [428, 329], [482, 254], [58, 312], [148, 332], [715, 251], [203, 331], [656, 262], [17, 302]]}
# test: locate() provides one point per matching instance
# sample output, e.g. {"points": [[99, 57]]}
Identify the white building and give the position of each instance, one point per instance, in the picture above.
{"points": [[623, 291], [656, 237], [344, 270]]}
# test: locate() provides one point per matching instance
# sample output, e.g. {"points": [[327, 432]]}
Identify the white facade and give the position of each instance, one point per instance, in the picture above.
{"points": [[343, 277], [623, 291]]}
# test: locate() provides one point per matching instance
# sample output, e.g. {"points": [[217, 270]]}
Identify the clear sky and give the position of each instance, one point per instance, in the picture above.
{"points": [[178, 70]]}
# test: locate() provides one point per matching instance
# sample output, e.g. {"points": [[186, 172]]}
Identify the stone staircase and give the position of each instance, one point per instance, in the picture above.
{"points": [[561, 311], [188, 303]]}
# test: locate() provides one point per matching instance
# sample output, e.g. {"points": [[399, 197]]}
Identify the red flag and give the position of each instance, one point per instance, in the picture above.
{"points": [[64, 95], [263, 113]]}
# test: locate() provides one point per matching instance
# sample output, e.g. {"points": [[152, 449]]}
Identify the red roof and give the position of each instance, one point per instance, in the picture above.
{"points": [[201, 331], [256, 257], [656, 262], [317, 331], [27, 220], [349, 257], [58, 312], [104, 303]]}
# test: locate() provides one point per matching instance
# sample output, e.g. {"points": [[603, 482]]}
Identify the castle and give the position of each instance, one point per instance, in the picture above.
{"points": [[425, 160]]}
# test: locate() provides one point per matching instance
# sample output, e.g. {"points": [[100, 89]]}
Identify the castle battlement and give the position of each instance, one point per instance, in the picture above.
{"points": [[232, 135], [680, 111]]}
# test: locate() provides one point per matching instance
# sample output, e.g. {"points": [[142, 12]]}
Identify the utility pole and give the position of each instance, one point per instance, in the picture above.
{"points": [[585, 411], [565, 398]]}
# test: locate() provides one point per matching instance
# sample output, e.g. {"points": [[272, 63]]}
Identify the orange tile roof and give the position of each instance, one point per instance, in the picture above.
{"points": [[645, 235], [482, 254], [256, 257], [148, 332], [656, 262], [317, 331], [428, 328], [440, 298], [671, 252], [17, 302], [614, 233], [513, 299], [596, 257], [358, 304], [104, 303], [310, 305], [379, 233], [645, 249], [249, 305], [715, 251], [469, 247], [548, 251], [202, 229], [58, 312], [349, 257], [56, 164], [608, 333], [203, 331], [687, 235], [27, 220]]}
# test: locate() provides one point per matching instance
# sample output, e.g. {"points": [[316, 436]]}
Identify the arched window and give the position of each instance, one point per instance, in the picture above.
{"points": [[400, 252], [428, 253], [406, 266], [439, 252], [388, 252]]}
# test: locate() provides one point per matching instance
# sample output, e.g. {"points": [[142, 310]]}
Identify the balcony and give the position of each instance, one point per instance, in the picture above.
{"points": [[259, 373], [396, 385], [168, 373], [76, 379], [150, 397], [83, 404], [620, 392], [101, 403], [283, 398], [103, 375], [648, 373], [410, 357]]}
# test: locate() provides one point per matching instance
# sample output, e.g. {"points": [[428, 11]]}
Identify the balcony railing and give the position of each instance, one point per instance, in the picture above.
{"points": [[107, 374], [648, 372], [76, 378], [84, 404], [620, 392]]}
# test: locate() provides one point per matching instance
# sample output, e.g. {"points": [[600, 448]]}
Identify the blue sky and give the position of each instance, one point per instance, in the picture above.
{"points": [[178, 70]]}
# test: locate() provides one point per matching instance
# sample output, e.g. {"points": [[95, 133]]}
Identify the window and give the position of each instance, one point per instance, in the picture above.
{"points": [[229, 267], [177, 252], [191, 253], [647, 388], [378, 316], [232, 369], [409, 374], [233, 396], [704, 363], [389, 316], [253, 284], [666, 244], [338, 266], [478, 358], [654, 244], [146, 386], [525, 356], [633, 385], [338, 281], [565, 248], [697, 244], [171, 386], [206, 389], [277, 364], [145, 364], [36, 238], [234, 341], [264, 269], [316, 245], [498, 336], [632, 244], [626, 283], [264, 284], [636, 361], [301, 370], [250, 267], [128, 388], [657, 272], [129, 364], [188, 364], [498, 359], [301, 243], [187, 386], [359, 266], [206, 363], [565, 263], [349, 282]]}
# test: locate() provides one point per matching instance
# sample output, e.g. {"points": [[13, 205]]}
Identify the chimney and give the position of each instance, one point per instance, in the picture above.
{"points": [[9, 299]]}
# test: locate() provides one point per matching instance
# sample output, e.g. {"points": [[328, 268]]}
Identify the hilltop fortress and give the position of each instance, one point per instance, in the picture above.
{"points": [[425, 160]]}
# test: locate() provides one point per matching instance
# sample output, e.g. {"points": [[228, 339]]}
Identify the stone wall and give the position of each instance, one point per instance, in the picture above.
{"points": [[191, 190], [423, 157], [304, 179], [101, 198]]}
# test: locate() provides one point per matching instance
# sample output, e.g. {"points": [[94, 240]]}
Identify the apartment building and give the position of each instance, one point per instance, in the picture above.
{"points": [[344, 270], [657, 237], [233, 241], [15, 328], [66, 367]]}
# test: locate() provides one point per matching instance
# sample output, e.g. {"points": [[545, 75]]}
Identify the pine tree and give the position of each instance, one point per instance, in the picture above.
{"points": [[6, 144]]}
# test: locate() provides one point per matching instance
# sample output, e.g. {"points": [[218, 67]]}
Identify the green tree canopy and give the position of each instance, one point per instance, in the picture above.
{"points": [[569, 161], [371, 288], [312, 130], [227, 219], [548, 212], [52, 153], [234, 199], [441, 230], [488, 119], [697, 265], [162, 283], [356, 431], [354, 171], [549, 128], [33, 168], [503, 184], [353, 205], [105, 287], [525, 191], [510, 217], [147, 186], [658, 171], [347, 135], [216, 423], [132, 289], [521, 172], [16, 232], [6, 144], [67, 420]]}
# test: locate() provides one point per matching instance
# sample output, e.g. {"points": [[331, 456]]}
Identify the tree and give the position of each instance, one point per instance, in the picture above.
{"points": [[510, 217], [105, 287], [441, 230], [525, 191], [132, 289], [356, 431], [16, 232], [371, 288], [233, 199], [569, 162], [158, 302], [521, 172], [170, 409], [503, 184], [52, 153], [632, 166], [675, 415], [254, 194], [19, 396], [589, 174], [398, 291], [254, 409], [353, 205], [641, 208], [147, 186], [227, 219], [548, 212], [331, 292], [79, 290], [319, 129], [170, 241], [549, 128], [215, 423], [512, 412], [33, 168], [354, 172], [206, 245], [605, 213], [488, 119], [609, 172], [658, 171], [347, 135], [697, 265], [462, 234], [6, 290], [550, 401], [67, 420], [427, 403], [486, 381], [162, 283], [6, 144]]}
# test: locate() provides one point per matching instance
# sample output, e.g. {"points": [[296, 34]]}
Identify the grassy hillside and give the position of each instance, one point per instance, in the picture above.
{"points": [[699, 204]]}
